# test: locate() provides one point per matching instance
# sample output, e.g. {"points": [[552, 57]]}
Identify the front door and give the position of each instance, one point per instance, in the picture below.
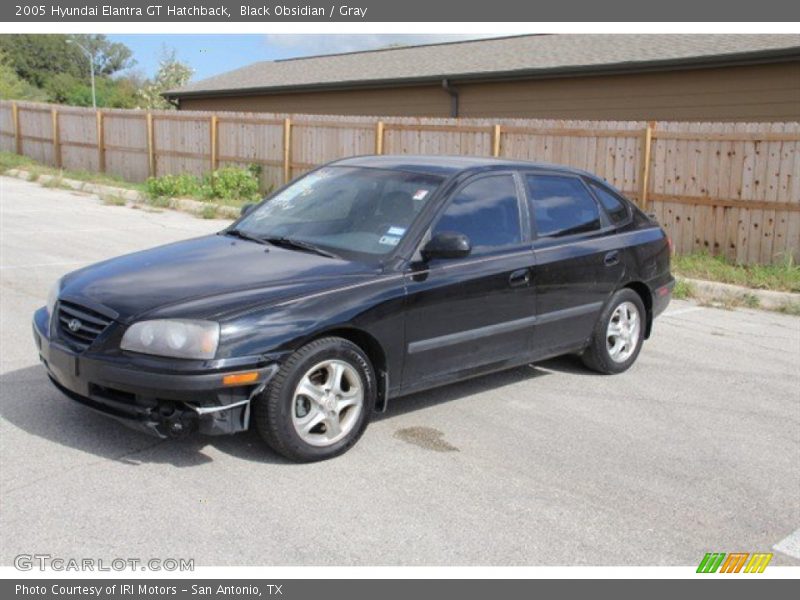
{"points": [[473, 311]]}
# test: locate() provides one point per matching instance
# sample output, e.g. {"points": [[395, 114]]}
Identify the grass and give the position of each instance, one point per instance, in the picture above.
{"points": [[113, 200], [159, 201], [789, 308], [683, 290], [9, 160], [209, 212], [783, 277]]}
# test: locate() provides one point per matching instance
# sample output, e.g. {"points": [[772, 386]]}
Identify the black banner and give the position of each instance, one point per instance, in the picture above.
{"points": [[333, 589], [393, 11]]}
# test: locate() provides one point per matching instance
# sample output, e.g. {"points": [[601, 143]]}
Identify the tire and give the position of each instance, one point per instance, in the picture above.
{"points": [[327, 382], [608, 353]]}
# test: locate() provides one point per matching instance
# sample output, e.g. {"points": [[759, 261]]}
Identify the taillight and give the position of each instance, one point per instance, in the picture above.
{"points": [[671, 246]]}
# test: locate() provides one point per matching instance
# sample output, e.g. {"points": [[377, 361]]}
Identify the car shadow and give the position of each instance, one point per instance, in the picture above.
{"points": [[29, 402]]}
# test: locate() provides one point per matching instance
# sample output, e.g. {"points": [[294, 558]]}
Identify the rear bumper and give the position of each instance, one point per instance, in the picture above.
{"points": [[662, 295], [160, 403]]}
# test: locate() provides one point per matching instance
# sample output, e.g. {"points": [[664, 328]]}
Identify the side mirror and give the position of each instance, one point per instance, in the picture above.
{"points": [[446, 244], [246, 209]]}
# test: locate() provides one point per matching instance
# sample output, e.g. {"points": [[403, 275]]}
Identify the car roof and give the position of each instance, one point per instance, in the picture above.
{"points": [[448, 165]]}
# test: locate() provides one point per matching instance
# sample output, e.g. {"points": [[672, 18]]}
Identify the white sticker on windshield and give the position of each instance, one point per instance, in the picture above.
{"points": [[396, 231], [389, 240], [420, 194]]}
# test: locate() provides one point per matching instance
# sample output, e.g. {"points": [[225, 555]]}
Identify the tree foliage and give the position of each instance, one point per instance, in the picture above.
{"points": [[12, 86], [38, 58], [55, 68], [171, 74]]}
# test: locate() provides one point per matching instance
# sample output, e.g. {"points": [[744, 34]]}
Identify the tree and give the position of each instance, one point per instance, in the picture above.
{"points": [[12, 86], [109, 57], [38, 58], [171, 74], [49, 67]]}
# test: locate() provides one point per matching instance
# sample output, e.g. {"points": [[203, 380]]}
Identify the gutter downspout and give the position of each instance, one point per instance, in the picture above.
{"points": [[453, 97]]}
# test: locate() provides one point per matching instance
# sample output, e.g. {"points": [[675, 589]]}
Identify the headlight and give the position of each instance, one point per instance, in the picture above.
{"points": [[52, 297], [180, 338]]}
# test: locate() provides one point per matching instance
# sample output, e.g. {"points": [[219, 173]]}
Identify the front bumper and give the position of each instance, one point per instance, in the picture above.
{"points": [[165, 404]]}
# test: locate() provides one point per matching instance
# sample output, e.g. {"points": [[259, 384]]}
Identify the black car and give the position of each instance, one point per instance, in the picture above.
{"points": [[367, 279]]}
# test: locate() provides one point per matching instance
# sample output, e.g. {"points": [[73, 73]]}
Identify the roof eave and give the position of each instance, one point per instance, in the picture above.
{"points": [[739, 59]]}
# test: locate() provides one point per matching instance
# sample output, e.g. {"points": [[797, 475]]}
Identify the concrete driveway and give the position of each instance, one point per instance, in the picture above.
{"points": [[695, 449]]}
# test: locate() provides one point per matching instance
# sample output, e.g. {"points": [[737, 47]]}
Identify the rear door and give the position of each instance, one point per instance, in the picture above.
{"points": [[472, 311], [578, 260]]}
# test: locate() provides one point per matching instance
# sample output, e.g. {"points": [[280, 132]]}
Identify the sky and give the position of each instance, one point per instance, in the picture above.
{"points": [[212, 54]]}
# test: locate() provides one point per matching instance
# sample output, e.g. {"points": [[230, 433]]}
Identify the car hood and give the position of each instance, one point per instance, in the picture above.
{"points": [[205, 277]]}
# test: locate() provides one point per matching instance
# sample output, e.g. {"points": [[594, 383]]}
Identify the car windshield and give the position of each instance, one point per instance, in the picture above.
{"points": [[359, 213]]}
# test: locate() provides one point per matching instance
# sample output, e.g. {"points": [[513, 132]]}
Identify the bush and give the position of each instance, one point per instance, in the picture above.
{"points": [[173, 186], [230, 183]]}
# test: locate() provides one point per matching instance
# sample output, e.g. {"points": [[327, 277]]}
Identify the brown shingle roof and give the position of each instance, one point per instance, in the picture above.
{"points": [[528, 55]]}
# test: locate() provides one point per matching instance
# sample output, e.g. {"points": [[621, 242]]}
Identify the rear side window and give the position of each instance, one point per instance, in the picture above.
{"points": [[615, 207], [561, 206], [487, 212]]}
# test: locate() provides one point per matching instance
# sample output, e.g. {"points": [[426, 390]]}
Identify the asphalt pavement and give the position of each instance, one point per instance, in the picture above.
{"points": [[695, 449]]}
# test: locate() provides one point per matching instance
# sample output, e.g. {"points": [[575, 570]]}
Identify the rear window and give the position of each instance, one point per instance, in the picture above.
{"points": [[616, 208], [561, 206]]}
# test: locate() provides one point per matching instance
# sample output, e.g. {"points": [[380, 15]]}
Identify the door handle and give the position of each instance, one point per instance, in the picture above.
{"points": [[519, 278], [611, 259]]}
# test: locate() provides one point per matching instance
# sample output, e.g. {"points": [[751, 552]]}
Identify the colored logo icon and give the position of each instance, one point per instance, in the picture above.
{"points": [[735, 562]]}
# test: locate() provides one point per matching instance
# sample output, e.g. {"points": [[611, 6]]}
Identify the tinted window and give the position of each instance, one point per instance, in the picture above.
{"points": [[615, 207], [486, 211], [562, 205]]}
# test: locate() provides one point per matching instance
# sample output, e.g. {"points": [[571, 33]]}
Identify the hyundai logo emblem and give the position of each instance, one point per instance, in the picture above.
{"points": [[74, 325]]}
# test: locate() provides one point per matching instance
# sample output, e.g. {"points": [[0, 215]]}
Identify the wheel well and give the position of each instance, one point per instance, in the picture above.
{"points": [[647, 299], [374, 351]]}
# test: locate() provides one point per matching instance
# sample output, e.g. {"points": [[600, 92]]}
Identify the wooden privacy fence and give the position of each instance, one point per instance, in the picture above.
{"points": [[728, 188]]}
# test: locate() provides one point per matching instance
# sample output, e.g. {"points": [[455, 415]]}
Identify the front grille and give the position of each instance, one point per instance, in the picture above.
{"points": [[87, 324]]}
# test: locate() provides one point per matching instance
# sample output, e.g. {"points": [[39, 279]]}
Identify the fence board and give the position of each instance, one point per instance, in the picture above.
{"points": [[728, 188]]}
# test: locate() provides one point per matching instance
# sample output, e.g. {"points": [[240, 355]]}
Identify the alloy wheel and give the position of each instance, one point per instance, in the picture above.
{"points": [[622, 334], [327, 402]]}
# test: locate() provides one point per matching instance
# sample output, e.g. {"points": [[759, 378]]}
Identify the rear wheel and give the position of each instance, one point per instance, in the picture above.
{"points": [[618, 334], [320, 401]]}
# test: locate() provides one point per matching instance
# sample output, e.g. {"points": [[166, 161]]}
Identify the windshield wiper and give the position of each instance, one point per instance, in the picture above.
{"points": [[299, 245], [244, 236]]}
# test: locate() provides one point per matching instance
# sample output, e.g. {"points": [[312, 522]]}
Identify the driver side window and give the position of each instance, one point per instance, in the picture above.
{"points": [[487, 212]]}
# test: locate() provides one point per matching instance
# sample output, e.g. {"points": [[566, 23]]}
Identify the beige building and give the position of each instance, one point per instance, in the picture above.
{"points": [[608, 77]]}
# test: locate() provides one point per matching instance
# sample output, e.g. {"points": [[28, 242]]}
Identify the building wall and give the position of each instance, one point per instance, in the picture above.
{"points": [[414, 101], [744, 93]]}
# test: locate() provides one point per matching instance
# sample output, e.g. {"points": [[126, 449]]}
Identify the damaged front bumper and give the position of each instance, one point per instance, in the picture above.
{"points": [[165, 403]]}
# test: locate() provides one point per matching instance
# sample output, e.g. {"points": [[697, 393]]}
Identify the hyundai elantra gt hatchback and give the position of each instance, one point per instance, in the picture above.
{"points": [[365, 280]]}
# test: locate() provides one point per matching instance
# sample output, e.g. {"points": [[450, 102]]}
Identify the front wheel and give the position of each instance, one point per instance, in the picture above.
{"points": [[319, 403], [618, 335]]}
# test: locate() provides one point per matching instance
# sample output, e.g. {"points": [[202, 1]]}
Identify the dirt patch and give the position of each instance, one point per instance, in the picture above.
{"points": [[425, 437]]}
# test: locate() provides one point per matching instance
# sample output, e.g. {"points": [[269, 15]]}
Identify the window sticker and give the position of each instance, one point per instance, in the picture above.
{"points": [[389, 240], [420, 194], [396, 231]]}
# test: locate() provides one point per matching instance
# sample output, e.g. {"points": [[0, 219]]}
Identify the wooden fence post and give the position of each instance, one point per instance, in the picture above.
{"points": [[17, 132], [56, 138], [644, 167], [379, 137], [287, 150], [151, 156], [214, 149], [496, 141], [101, 143]]}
